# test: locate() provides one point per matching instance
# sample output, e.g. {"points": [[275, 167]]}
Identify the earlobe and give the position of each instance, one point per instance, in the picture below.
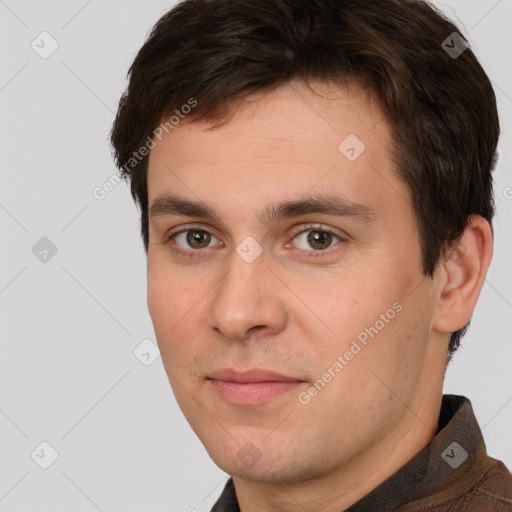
{"points": [[463, 270]]}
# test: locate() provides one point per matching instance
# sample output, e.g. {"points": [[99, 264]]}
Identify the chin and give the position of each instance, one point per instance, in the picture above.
{"points": [[265, 468]]}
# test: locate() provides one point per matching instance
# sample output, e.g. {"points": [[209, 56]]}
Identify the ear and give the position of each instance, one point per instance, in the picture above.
{"points": [[462, 272]]}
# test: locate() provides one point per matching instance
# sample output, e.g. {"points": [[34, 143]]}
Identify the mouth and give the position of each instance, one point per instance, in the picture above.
{"points": [[251, 387]]}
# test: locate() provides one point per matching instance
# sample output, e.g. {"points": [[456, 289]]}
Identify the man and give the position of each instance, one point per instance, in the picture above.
{"points": [[316, 205]]}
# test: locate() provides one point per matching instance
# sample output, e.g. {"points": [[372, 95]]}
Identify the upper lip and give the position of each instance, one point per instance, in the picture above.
{"points": [[252, 375]]}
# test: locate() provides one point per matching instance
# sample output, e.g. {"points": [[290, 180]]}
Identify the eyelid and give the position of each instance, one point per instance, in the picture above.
{"points": [[188, 227], [296, 231], [315, 225]]}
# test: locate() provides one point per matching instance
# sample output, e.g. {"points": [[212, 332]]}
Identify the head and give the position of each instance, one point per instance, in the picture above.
{"points": [[314, 181]]}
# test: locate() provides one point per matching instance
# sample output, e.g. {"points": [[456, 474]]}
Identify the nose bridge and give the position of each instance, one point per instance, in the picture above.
{"points": [[245, 297]]}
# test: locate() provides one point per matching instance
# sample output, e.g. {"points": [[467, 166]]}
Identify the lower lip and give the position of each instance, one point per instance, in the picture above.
{"points": [[252, 393]]}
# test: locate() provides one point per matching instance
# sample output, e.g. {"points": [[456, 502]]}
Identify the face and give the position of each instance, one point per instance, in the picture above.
{"points": [[285, 283]]}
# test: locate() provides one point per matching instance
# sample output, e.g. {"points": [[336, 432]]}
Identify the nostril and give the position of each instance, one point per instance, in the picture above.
{"points": [[256, 327]]}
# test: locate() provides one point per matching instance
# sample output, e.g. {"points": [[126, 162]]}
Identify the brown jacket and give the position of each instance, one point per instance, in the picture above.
{"points": [[452, 474]]}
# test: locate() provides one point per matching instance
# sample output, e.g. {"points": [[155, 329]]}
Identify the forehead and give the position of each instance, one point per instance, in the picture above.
{"points": [[281, 144]]}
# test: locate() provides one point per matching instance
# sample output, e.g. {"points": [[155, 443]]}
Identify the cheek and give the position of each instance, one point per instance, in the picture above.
{"points": [[365, 311], [175, 308], [342, 303], [171, 291]]}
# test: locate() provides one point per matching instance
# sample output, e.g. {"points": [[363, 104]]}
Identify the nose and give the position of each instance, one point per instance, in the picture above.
{"points": [[248, 299]]}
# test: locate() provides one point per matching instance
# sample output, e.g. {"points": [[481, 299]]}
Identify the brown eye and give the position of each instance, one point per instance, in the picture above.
{"points": [[319, 240], [316, 239], [198, 239], [192, 240]]}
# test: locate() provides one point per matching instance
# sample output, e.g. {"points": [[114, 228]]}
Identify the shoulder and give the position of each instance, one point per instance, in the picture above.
{"points": [[495, 487], [492, 492]]}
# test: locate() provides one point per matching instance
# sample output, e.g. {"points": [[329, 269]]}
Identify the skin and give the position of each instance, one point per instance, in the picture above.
{"points": [[296, 307]]}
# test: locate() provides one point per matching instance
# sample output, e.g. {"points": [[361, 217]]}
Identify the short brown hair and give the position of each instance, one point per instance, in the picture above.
{"points": [[441, 107]]}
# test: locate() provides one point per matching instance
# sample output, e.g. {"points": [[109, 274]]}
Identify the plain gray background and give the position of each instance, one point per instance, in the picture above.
{"points": [[70, 324]]}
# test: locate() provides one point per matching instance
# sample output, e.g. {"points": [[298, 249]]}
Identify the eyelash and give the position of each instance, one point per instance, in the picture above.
{"points": [[197, 253]]}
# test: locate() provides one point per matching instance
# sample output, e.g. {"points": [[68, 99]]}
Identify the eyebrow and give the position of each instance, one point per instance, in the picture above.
{"points": [[169, 204]]}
